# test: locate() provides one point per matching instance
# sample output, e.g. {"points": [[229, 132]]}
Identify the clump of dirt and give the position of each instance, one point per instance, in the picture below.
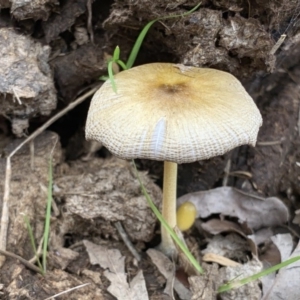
{"points": [[27, 86], [107, 191]]}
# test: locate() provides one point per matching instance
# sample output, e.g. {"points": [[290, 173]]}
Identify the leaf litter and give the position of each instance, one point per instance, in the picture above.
{"points": [[257, 219], [114, 263], [257, 212]]}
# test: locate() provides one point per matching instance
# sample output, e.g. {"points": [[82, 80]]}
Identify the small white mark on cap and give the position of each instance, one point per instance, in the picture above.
{"points": [[158, 136]]}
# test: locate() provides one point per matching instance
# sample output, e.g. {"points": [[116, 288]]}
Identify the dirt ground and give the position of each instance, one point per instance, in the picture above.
{"points": [[52, 52]]}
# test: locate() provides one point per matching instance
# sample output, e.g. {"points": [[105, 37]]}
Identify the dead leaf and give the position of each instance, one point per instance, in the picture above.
{"points": [[216, 226], [167, 269], [261, 236], [203, 287], [296, 219], [255, 211], [286, 284], [113, 260], [284, 243], [250, 291], [232, 246], [119, 287]]}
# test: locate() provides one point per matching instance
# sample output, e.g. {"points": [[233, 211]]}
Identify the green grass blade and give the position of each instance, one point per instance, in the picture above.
{"points": [[103, 78], [31, 236], [48, 216], [138, 43], [184, 249], [116, 54], [237, 283], [122, 64]]}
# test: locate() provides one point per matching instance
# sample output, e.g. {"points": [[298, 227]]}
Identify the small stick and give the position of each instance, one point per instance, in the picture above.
{"points": [[38, 252], [68, 291], [89, 20], [278, 44], [269, 143], [5, 210], [5, 202], [17, 97], [126, 240], [23, 261], [226, 172]]}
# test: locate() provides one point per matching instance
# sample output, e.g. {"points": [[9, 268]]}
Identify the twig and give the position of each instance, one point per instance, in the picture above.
{"points": [[269, 143], [5, 210], [22, 260], [278, 44], [16, 96], [5, 203], [126, 240], [89, 21], [226, 172], [38, 252], [68, 291], [31, 147]]}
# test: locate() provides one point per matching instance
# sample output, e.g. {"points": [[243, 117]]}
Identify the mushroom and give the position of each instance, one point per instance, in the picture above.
{"points": [[172, 113]]}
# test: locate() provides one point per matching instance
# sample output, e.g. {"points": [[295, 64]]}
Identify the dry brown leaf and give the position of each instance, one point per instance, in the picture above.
{"points": [[255, 211], [113, 260]]}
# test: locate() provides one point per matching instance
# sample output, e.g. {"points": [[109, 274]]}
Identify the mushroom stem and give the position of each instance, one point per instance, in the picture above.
{"points": [[169, 206]]}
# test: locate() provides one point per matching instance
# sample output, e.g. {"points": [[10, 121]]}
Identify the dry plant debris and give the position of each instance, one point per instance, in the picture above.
{"points": [[255, 211], [114, 262], [251, 291], [29, 182], [32, 287], [167, 268], [283, 285], [204, 287]]}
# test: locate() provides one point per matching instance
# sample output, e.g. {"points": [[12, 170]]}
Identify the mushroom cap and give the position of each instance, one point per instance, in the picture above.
{"points": [[171, 112]]}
